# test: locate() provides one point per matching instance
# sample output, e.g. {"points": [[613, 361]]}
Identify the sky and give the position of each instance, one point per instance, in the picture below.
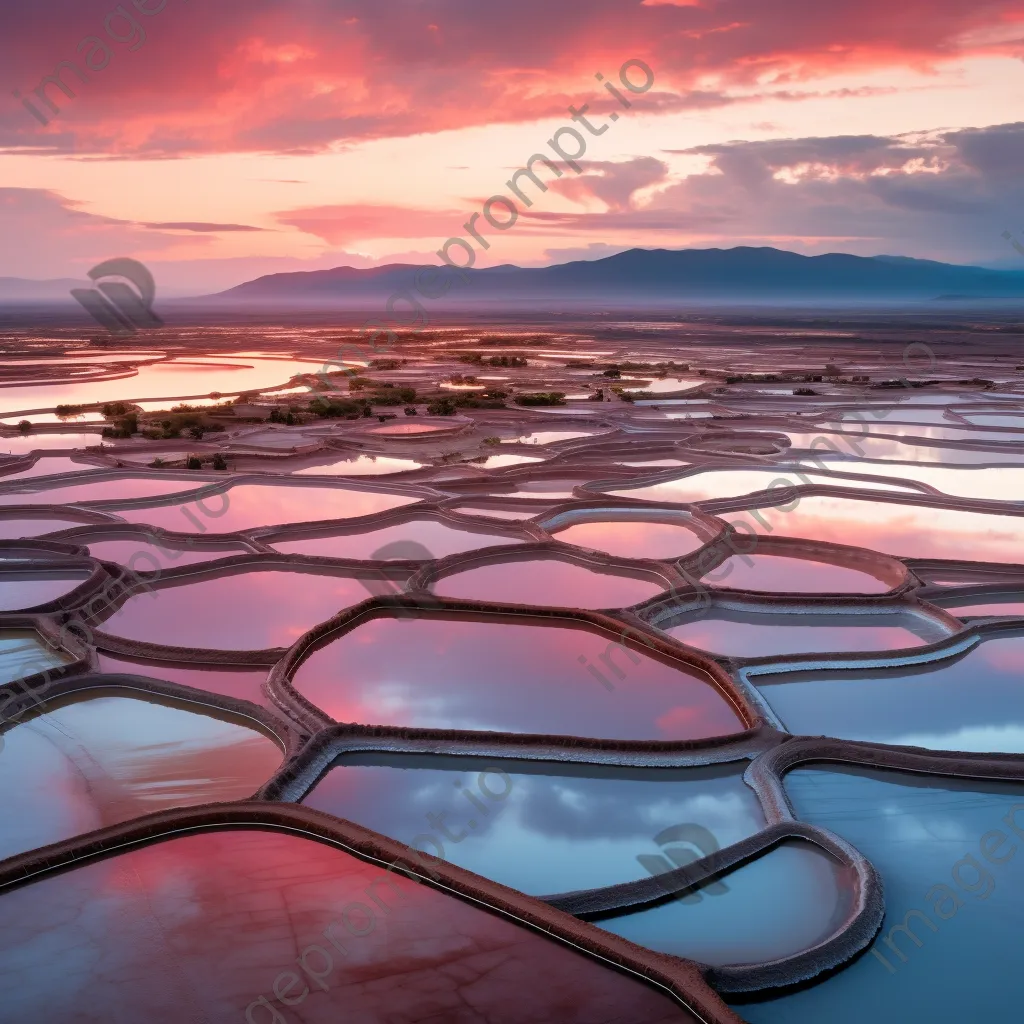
{"points": [[219, 141]]}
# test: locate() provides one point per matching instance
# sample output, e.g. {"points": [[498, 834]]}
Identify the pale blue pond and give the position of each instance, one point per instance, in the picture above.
{"points": [[549, 827], [780, 904], [971, 702], [949, 860]]}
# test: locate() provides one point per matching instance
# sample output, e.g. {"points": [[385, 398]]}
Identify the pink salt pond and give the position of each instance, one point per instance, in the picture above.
{"points": [[511, 675], [745, 634], [123, 489], [241, 611], [629, 536], [207, 927], [547, 581], [140, 555], [432, 538], [777, 573], [245, 506], [895, 528], [407, 429], [15, 529]]}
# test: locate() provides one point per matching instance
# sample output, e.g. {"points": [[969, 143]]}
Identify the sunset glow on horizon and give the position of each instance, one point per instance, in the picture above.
{"points": [[217, 143]]}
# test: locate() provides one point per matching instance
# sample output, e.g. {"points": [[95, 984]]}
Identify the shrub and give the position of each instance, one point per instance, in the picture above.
{"points": [[219, 462], [194, 462], [441, 407], [25, 426], [157, 463], [410, 410], [541, 398], [196, 433], [124, 427], [114, 409], [613, 372], [69, 410], [328, 408]]}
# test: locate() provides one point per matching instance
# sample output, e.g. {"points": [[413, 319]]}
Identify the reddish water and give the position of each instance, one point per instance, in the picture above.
{"points": [[247, 611], [633, 538], [204, 927], [792, 575], [547, 581], [502, 675]]}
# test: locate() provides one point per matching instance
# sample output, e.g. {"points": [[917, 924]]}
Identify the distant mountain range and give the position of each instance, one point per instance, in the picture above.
{"points": [[661, 276], [648, 278], [16, 290]]}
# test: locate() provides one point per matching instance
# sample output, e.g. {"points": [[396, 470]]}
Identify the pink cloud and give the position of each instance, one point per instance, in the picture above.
{"points": [[344, 224], [261, 76]]}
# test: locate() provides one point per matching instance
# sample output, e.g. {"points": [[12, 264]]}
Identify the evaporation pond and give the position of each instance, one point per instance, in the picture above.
{"points": [[780, 904], [735, 482], [237, 612], [141, 555], [172, 378], [23, 653], [777, 573], [15, 529], [629, 536], [971, 702], [547, 581], [123, 489], [246, 506], [359, 465], [547, 828], [201, 927], [93, 762], [895, 528], [416, 539], [747, 634], [457, 673], [28, 589], [951, 931]]}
